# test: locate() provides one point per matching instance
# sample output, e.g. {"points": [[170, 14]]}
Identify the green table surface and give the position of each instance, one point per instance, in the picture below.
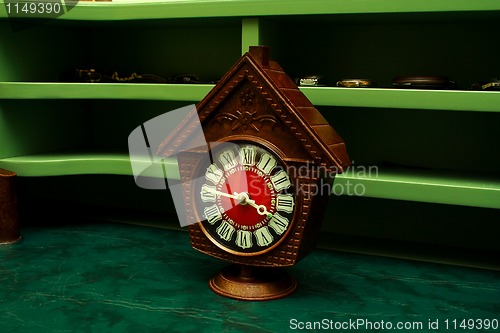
{"points": [[106, 277]]}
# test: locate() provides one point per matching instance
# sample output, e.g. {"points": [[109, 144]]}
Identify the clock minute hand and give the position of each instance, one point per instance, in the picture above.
{"points": [[222, 194]]}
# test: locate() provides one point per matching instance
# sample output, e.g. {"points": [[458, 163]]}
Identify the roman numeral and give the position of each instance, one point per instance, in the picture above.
{"points": [[207, 193], [279, 223], [225, 231], [280, 180], [244, 239], [247, 156], [263, 236], [228, 160], [285, 203], [266, 163], [214, 174], [212, 214]]}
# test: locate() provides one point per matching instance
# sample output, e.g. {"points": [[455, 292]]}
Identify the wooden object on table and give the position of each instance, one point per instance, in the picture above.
{"points": [[9, 217], [256, 195]]}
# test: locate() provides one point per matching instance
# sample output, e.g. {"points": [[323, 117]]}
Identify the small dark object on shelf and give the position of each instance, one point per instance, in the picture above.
{"points": [[356, 83], [423, 82], [87, 75], [311, 81], [93, 76], [186, 79], [492, 84], [189, 78]]}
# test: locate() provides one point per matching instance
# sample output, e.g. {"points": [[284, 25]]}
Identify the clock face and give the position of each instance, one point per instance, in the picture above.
{"points": [[244, 198]]}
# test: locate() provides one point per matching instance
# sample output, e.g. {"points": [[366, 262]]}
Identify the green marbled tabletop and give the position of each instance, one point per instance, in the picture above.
{"points": [[122, 278]]}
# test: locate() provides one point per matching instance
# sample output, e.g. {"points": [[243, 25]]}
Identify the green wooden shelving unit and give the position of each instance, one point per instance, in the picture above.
{"points": [[45, 124]]}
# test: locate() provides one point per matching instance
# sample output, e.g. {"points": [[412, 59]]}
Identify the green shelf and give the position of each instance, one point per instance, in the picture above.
{"points": [[79, 163], [49, 90], [143, 10], [432, 186], [391, 183], [453, 100]]}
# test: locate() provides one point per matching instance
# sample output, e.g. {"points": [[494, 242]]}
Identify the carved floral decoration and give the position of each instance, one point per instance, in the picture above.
{"points": [[248, 117]]}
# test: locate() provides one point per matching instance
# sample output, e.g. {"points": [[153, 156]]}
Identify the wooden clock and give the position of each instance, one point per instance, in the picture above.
{"points": [[257, 194]]}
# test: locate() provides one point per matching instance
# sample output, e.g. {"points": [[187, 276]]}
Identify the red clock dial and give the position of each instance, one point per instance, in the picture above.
{"points": [[246, 200]]}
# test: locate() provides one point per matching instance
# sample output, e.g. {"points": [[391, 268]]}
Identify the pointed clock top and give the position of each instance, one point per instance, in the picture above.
{"points": [[254, 77], [261, 54]]}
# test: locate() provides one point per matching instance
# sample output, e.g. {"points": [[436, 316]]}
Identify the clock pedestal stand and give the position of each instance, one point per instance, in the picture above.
{"points": [[252, 283]]}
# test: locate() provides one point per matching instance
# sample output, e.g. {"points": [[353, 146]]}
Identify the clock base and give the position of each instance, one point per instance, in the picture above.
{"points": [[253, 283]]}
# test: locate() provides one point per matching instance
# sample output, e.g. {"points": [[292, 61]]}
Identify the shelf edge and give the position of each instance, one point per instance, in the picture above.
{"points": [[243, 8], [451, 100], [129, 91]]}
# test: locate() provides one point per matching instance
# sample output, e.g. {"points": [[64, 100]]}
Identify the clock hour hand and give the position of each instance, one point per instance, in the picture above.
{"points": [[244, 199]]}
